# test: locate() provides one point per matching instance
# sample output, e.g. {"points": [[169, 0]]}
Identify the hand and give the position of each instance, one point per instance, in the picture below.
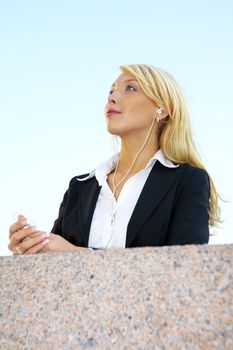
{"points": [[26, 239], [59, 244]]}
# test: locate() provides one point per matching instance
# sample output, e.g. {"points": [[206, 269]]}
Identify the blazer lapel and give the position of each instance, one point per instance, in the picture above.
{"points": [[157, 185], [88, 195]]}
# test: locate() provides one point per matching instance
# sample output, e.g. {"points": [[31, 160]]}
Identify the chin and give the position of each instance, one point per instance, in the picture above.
{"points": [[118, 131], [113, 132]]}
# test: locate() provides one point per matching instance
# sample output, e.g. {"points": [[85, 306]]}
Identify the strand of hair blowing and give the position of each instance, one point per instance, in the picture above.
{"points": [[176, 138]]}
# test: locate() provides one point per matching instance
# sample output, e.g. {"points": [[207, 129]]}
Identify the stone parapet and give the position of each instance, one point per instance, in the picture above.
{"points": [[178, 297]]}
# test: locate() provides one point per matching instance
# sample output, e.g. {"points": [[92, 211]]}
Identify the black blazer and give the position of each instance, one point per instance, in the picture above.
{"points": [[173, 209]]}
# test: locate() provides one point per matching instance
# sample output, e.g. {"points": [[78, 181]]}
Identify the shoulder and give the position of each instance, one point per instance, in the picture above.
{"points": [[192, 180], [79, 180], [191, 173], [182, 173]]}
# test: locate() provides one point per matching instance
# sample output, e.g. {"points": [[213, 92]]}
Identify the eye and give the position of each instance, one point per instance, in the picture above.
{"points": [[130, 88]]}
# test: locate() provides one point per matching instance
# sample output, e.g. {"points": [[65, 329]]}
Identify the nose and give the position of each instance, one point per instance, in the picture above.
{"points": [[113, 97]]}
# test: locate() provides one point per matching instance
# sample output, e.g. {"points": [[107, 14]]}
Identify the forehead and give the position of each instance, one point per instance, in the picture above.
{"points": [[124, 78]]}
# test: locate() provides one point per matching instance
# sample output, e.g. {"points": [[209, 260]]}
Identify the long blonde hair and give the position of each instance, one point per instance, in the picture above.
{"points": [[176, 140]]}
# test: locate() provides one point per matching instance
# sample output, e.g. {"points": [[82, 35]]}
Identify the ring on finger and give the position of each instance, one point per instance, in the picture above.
{"points": [[18, 250]]}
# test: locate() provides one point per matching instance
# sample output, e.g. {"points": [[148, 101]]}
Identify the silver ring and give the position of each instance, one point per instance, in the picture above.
{"points": [[18, 250]]}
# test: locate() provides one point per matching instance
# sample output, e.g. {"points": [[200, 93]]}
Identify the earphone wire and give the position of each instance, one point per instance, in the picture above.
{"points": [[115, 186]]}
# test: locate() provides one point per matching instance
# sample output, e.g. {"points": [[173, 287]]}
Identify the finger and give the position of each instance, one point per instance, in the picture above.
{"points": [[18, 225], [17, 250], [21, 217], [18, 217], [28, 244], [35, 234], [18, 236], [38, 247]]}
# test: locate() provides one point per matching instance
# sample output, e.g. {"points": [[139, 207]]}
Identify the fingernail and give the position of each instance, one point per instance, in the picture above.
{"points": [[47, 234], [45, 241]]}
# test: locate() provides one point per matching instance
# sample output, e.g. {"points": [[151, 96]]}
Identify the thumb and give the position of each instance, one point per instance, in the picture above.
{"points": [[21, 218]]}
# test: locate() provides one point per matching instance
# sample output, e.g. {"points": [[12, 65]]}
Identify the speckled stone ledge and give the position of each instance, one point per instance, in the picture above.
{"points": [[178, 297]]}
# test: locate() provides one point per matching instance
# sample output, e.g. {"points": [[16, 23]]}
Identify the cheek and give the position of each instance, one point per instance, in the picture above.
{"points": [[143, 104], [141, 111]]}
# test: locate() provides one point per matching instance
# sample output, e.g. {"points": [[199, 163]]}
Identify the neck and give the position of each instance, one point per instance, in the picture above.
{"points": [[139, 155], [129, 149]]}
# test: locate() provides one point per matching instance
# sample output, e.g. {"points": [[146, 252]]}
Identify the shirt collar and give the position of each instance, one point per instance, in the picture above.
{"points": [[159, 155], [105, 168]]}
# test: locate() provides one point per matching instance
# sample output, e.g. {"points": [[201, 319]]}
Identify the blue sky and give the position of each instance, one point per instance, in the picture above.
{"points": [[57, 62]]}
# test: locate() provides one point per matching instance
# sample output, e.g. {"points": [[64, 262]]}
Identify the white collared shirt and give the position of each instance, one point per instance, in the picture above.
{"points": [[111, 217]]}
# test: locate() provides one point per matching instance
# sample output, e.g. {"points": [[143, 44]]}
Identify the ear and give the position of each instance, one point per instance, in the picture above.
{"points": [[160, 113]]}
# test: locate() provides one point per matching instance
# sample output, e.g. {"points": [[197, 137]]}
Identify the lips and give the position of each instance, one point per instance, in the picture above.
{"points": [[112, 111]]}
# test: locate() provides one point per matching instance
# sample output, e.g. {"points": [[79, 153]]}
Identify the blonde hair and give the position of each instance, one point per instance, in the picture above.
{"points": [[176, 140]]}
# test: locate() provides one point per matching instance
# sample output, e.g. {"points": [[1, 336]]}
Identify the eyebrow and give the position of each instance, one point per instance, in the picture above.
{"points": [[126, 81]]}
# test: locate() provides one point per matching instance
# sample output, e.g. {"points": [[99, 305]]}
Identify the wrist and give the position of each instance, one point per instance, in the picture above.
{"points": [[78, 249]]}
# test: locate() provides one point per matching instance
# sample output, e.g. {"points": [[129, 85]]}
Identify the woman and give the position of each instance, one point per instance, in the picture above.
{"points": [[155, 192]]}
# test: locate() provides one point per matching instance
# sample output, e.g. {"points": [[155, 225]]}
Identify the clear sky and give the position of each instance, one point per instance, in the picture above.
{"points": [[57, 62]]}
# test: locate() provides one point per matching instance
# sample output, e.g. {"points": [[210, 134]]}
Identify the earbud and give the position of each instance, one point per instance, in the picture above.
{"points": [[159, 111]]}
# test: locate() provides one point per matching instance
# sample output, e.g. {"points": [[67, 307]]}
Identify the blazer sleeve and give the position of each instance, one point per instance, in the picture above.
{"points": [[190, 218], [57, 226]]}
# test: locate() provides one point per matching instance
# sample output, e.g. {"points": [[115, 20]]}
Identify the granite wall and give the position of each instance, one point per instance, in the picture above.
{"points": [[178, 297]]}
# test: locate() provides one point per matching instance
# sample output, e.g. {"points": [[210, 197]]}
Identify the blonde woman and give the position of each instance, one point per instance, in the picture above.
{"points": [[154, 192]]}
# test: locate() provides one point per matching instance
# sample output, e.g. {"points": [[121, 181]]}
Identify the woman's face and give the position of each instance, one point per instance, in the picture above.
{"points": [[128, 109]]}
